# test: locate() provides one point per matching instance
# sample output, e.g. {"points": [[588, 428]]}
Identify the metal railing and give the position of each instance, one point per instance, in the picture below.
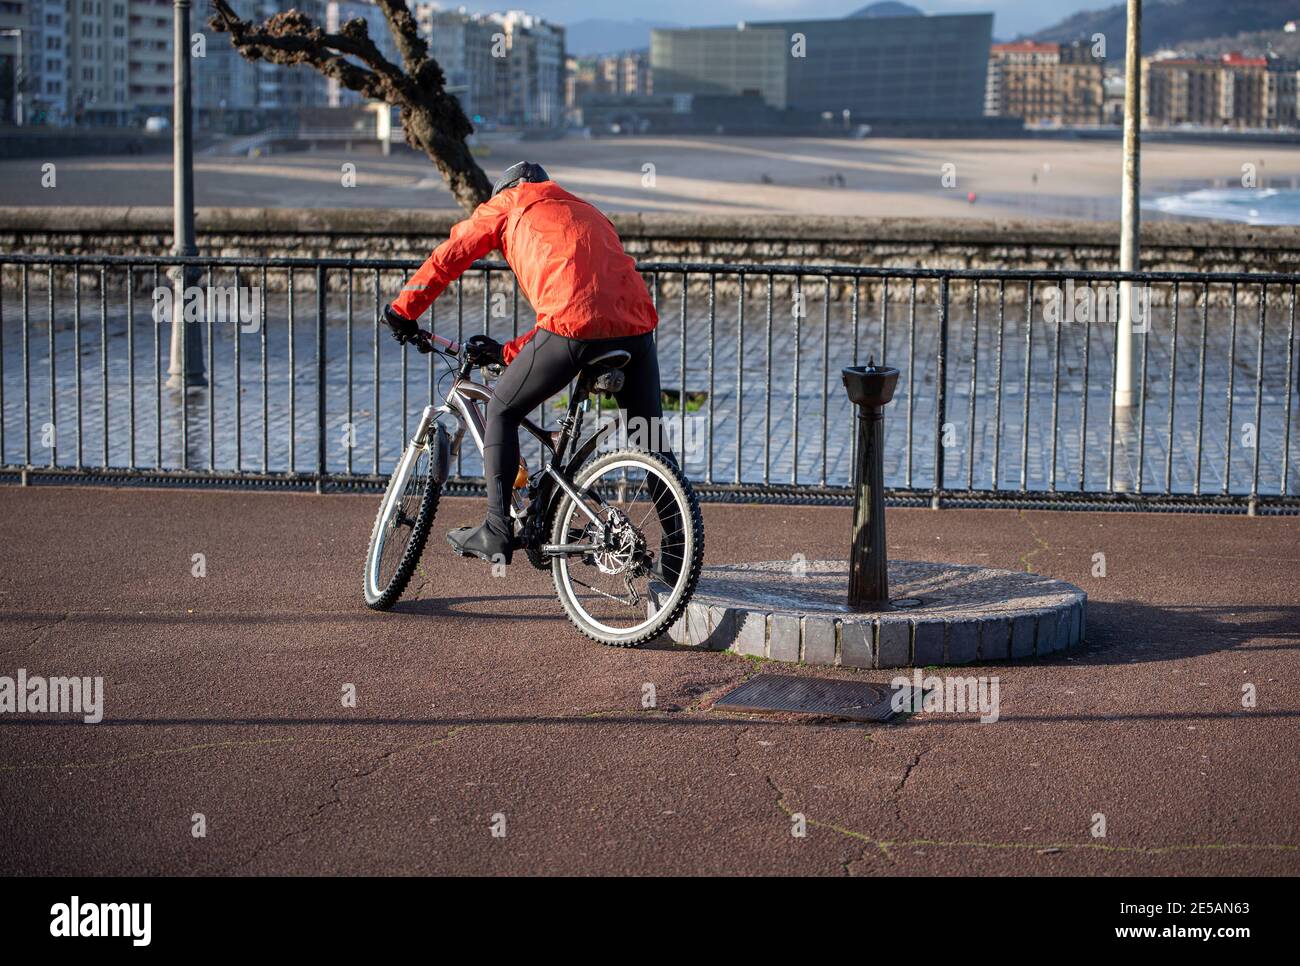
{"points": [[1006, 395]]}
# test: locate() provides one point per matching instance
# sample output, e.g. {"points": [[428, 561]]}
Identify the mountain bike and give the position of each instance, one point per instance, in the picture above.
{"points": [[620, 531]]}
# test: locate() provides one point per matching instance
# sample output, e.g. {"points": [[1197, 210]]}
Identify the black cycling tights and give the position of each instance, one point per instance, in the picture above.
{"points": [[545, 365]]}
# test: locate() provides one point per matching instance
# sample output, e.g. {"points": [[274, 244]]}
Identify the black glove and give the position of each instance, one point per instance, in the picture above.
{"points": [[404, 330], [482, 350]]}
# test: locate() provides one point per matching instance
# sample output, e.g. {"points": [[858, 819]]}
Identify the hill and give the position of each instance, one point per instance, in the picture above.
{"points": [[1170, 23]]}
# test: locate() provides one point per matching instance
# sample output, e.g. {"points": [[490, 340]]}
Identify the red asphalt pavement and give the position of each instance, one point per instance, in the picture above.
{"points": [[477, 703]]}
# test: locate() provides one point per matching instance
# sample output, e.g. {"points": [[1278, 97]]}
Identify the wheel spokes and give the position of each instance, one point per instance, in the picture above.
{"points": [[643, 526], [397, 534]]}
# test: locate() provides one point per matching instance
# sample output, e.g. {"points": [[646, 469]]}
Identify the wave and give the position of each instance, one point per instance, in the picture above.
{"points": [[1252, 206]]}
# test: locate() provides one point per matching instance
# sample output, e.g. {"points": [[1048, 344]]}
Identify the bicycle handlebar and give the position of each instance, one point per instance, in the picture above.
{"points": [[427, 342]]}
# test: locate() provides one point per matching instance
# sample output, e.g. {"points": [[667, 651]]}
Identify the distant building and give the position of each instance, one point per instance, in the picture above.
{"points": [[97, 61], [1112, 105], [287, 89], [45, 26], [579, 80], [630, 73], [507, 68], [12, 15], [606, 114], [149, 57], [1021, 81], [462, 45], [860, 66], [110, 62], [1180, 90], [225, 87], [530, 76], [625, 74], [746, 59], [1229, 91], [339, 12], [236, 94], [1045, 83], [631, 114]]}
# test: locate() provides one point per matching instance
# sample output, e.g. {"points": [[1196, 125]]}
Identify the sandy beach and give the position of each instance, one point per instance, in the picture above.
{"points": [[709, 175]]}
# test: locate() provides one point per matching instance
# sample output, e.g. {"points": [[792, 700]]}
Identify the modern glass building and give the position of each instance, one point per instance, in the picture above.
{"points": [[871, 66]]}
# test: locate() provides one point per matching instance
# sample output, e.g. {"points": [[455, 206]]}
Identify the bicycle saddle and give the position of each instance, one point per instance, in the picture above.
{"points": [[603, 370], [613, 359]]}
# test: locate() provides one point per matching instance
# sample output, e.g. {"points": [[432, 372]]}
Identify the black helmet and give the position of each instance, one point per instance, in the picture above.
{"points": [[529, 171]]}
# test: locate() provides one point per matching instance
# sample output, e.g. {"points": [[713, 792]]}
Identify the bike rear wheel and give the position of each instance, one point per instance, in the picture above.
{"points": [[401, 527], [658, 538]]}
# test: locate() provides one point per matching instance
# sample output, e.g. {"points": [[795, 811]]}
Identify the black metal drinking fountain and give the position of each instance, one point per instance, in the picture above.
{"points": [[970, 614], [870, 389]]}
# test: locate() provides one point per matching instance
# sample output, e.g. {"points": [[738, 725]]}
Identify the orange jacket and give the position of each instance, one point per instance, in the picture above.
{"points": [[566, 255]]}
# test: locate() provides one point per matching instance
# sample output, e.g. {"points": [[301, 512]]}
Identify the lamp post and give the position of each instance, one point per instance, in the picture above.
{"points": [[1129, 257], [185, 368]]}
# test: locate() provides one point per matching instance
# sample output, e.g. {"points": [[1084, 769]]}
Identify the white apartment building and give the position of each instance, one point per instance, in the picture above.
{"points": [[97, 40], [233, 92], [50, 23], [90, 61], [110, 62], [14, 15], [339, 12], [462, 44], [149, 56], [531, 75], [44, 75], [43, 72]]}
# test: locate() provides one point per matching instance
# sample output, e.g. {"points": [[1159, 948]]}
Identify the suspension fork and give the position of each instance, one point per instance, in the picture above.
{"points": [[427, 418]]}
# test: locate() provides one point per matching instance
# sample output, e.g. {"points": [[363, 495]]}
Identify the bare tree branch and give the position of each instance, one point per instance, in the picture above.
{"points": [[433, 119], [406, 34]]}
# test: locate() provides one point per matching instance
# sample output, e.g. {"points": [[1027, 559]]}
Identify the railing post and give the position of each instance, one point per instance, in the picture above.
{"points": [[870, 388], [940, 393], [320, 378]]}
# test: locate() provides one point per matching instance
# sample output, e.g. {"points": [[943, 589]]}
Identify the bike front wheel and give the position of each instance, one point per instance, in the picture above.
{"points": [[401, 527], [646, 553]]}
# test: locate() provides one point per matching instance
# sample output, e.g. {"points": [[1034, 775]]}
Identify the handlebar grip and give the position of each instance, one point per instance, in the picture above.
{"points": [[427, 342]]}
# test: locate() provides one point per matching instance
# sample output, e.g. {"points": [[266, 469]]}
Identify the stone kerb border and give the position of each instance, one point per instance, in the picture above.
{"points": [[794, 612]]}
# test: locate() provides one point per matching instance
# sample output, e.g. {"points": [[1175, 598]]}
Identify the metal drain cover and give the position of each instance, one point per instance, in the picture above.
{"points": [[854, 700]]}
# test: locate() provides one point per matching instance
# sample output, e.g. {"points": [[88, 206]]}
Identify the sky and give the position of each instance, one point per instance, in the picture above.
{"points": [[1011, 17]]}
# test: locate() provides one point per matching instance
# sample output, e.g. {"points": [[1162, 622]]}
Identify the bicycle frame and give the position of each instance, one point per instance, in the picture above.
{"points": [[467, 401]]}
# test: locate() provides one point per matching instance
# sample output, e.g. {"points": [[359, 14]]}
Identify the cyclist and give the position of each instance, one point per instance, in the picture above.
{"points": [[589, 299]]}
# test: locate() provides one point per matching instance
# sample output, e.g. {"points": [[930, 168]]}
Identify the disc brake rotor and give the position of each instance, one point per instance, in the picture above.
{"points": [[625, 548]]}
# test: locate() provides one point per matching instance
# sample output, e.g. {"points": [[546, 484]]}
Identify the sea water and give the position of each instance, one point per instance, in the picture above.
{"points": [[1252, 206]]}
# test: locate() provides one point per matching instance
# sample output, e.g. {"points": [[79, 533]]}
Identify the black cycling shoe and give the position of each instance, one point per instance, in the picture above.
{"points": [[482, 542]]}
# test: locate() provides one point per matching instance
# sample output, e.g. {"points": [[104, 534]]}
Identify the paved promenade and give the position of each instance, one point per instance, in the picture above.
{"points": [[478, 707]]}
